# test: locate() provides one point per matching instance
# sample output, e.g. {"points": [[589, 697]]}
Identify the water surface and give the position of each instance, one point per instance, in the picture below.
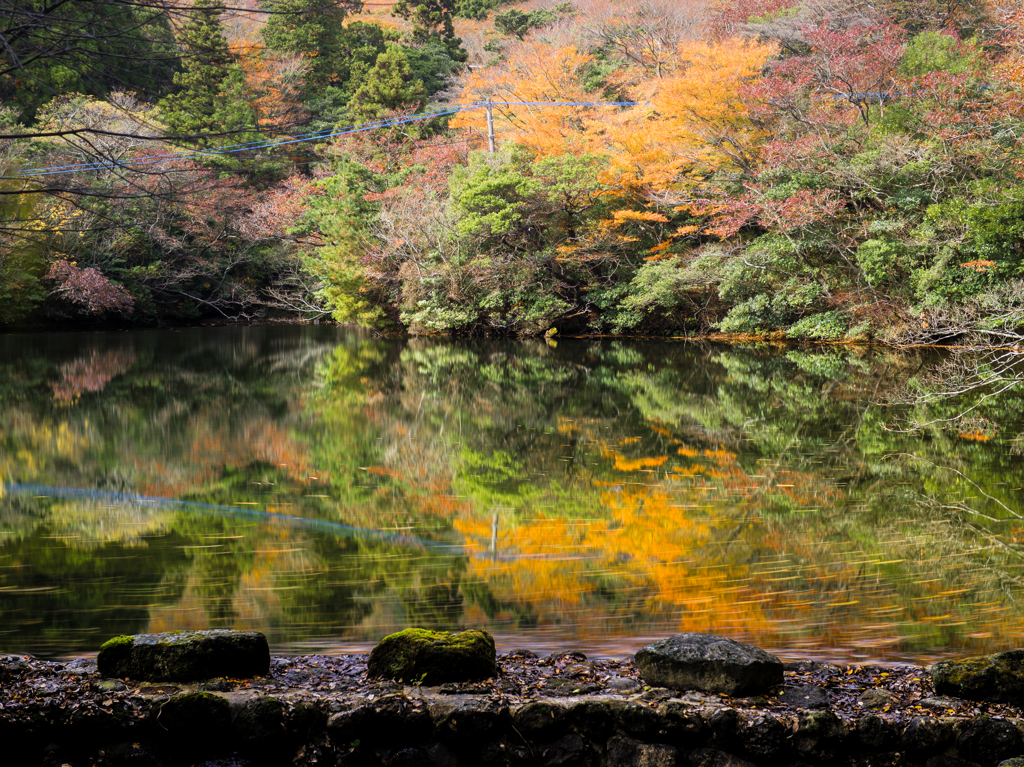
{"points": [[327, 488]]}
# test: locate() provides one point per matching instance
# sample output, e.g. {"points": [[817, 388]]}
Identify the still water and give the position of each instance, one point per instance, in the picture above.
{"points": [[327, 488]]}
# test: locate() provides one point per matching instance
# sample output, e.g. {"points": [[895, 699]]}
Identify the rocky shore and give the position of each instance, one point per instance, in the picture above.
{"points": [[563, 709]]}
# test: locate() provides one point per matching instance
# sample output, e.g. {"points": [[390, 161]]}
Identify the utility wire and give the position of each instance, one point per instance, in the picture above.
{"points": [[232, 148], [273, 143]]}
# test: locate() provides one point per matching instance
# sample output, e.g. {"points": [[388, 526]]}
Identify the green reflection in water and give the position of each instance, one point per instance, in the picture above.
{"points": [[329, 488]]}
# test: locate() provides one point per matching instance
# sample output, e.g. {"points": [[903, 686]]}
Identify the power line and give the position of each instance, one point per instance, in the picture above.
{"points": [[273, 143]]}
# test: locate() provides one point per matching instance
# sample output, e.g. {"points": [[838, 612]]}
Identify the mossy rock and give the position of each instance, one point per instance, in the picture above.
{"points": [[434, 657], [185, 656], [997, 678]]}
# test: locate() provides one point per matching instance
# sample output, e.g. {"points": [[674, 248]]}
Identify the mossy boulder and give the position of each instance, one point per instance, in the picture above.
{"points": [[434, 657], [185, 656], [997, 678]]}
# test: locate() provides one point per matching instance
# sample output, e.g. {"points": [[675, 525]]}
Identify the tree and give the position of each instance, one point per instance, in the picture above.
{"points": [[315, 29], [273, 84], [51, 48], [210, 96], [432, 19], [387, 87]]}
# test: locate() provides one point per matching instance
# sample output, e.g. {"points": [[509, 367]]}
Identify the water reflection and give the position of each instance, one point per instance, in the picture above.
{"points": [[328, 488]]}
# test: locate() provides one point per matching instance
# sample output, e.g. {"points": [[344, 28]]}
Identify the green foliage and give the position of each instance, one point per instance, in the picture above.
{"points": [[341, 215], [883, 261], [317, 31], [492, 195], [387, 87], [477, 9], [776, 282], [432, 19], [658, 289], [826, 326], [938, 51], [978, 241], [91, 48], [210, 97], [516, 23], [21, 270]]}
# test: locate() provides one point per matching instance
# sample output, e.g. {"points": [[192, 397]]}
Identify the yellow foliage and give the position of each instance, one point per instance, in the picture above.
{"points": [[523, 89], [621, 216], [692, 121]]}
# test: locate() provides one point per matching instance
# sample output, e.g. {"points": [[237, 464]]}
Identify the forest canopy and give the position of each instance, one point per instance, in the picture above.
{"points": [[815, 169]]}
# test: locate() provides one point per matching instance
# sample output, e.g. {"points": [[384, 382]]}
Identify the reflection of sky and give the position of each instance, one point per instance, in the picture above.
{"points": [[100, 496]]}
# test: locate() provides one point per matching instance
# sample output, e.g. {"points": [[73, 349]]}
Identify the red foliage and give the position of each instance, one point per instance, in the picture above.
{"points": [[90, 374], [731, 15], [88, 288], [278, 209], [801, 209], [855, 65]]}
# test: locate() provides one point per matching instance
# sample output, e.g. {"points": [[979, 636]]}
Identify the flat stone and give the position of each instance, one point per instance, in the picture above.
{"points": [[875, 698], [997, 678], [708, 663], [804, 696], [434, 657], [185, 656]]}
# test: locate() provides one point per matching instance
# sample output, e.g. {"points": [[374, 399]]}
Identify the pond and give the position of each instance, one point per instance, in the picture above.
{"points": [[328, 487]]}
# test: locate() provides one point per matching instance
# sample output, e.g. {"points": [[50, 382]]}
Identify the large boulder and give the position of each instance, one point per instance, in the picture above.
{"points": [[997, 678], [185, 656], [708, 663], [434, 657]]}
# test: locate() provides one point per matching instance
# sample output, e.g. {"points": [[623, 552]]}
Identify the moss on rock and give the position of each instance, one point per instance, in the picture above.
{"points": [[184, 656], [434, 657], [998, 678]]}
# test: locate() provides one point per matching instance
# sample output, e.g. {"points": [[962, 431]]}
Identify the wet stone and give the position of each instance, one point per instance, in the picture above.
{"points": [[804, 696], [622, 684], [708, 663], [765, 738], [928, 733], [876, 733], [539, 719], [710, 757], [942, 704], [875, 699], [987, 741], [625, 752]]}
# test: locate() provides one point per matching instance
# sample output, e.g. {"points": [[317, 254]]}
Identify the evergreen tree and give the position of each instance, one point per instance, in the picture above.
{"points": [[432, 19], [386, 87], [210, 97], [316, 30]]}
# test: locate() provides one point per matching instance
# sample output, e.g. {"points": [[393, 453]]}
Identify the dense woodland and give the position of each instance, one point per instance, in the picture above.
{"points": [[820, 169]]}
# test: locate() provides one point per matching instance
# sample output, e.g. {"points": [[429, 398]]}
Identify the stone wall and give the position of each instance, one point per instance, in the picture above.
{"points": [[325, 711]]}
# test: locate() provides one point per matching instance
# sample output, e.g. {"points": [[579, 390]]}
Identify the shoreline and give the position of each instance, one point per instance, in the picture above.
{"points": [[323, 709]]}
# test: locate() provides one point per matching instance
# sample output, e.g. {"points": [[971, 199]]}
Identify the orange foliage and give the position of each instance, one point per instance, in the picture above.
{"points": [[274, 82], [522, 89], [691, 121]]}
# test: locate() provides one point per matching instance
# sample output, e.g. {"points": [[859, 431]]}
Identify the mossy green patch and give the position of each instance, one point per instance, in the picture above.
{"points": [[429, 657], [118, 641]]}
